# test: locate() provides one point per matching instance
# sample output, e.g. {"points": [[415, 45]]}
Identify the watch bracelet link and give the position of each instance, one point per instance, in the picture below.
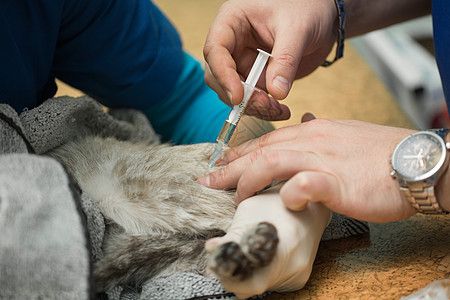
{"points": [[423, 199], [439, 131]]}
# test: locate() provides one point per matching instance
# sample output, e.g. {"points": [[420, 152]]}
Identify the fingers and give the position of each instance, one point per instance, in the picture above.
{"points": [[266, 108], [286, 56], [254, 172], [281, 135], [221, 76], [226, 177], [307, 117], [310, 186], [273, 165], [242, 157], [215, 86], [221, 73]]}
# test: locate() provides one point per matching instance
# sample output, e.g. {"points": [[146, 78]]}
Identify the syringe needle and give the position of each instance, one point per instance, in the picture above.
{"points": [[215, 156], [237, 111]]}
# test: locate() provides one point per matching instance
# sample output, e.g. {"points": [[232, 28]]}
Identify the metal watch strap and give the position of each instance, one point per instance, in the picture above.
{"points": [[440, 132], [422, 199]]}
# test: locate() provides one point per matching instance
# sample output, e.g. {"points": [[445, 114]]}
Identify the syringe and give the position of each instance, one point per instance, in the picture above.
{"points": [[238, 110]]}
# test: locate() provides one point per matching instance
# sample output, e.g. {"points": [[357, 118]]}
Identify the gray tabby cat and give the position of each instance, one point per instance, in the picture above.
{"points": [[158, 218]]}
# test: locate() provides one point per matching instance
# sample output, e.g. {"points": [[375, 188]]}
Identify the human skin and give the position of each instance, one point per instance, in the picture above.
{"points": [[342, 164], [299, 34], [299, 235]]}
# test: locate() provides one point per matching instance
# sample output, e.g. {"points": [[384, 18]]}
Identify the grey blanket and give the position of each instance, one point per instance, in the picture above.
{"points": [[50, 232]]}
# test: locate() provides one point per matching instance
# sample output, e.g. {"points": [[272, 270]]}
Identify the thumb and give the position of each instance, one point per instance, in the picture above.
{"points": [[310, 186], [283, 66]]}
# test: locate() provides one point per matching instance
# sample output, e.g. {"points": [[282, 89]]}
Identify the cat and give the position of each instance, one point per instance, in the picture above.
{"points": [[157, 217]]}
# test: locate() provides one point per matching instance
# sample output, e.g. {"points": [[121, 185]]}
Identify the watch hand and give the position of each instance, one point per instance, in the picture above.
{"points": [[420, 153], [411, 156], [422, 163]]}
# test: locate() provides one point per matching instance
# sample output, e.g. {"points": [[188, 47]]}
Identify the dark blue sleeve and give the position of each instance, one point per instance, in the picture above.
{"points": [[28, 32], [125, 53], [441, 28]]}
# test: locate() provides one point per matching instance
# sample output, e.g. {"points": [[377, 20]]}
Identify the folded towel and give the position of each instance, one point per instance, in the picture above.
{"points": [[62, 119], [11, 129], [44, 249]]}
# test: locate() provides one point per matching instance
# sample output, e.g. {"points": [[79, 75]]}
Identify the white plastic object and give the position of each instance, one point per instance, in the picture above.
{"points": [[237, 111]]}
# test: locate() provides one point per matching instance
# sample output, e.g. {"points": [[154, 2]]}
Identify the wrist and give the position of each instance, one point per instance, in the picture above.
{"points": [[365, 16], [443, 184], [443, 191], [339, 27]]}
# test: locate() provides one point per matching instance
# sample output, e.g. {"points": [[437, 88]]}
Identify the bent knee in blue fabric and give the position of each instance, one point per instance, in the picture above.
{"points": [[192, 113]]}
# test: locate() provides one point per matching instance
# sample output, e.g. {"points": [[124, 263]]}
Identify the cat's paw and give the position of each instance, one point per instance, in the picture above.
{"points": [[238, 261]]}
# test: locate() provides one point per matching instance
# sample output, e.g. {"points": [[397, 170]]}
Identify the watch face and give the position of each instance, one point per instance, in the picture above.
{"points": [[419, 156]]}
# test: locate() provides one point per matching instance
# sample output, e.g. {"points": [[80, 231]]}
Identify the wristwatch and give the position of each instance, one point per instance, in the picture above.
{"points": [[417, 162]]}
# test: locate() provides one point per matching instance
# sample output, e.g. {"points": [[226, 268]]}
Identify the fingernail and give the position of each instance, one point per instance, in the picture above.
{"points": [[282, 84], [205, 180]]}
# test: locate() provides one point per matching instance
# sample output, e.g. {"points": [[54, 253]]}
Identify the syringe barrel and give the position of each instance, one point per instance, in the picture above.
{"points": [[226, 133], [238, 110]]}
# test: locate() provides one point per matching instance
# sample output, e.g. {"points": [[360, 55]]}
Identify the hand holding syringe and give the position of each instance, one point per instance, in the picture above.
{"points": [[238, 110]]}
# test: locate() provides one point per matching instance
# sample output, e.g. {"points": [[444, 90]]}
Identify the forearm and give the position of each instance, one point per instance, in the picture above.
{"points": [[365, 15]]}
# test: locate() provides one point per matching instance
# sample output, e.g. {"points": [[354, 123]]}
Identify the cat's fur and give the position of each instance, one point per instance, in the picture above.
{"points": [[158, 217]]}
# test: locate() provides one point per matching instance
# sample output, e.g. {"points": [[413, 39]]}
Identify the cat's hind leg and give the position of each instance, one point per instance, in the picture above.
{"points": [[133, 259], [239, 260]]}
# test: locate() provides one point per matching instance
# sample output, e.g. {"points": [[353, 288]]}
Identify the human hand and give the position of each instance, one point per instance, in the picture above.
{"points": [[299, 235], [298, 33], [343, 164]]}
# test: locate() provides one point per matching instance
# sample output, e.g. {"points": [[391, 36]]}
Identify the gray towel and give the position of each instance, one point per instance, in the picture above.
{"points": [[178, 286], [43, 245], [43, 248], [10, 129], [342, 226], [62, 119]]}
